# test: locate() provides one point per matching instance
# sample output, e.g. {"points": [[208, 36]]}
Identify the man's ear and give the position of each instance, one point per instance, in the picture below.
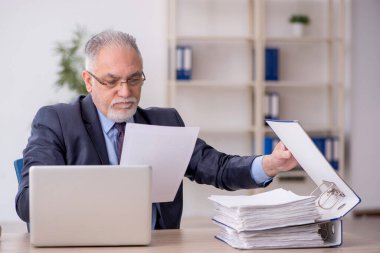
{"points": [[87, 80]]}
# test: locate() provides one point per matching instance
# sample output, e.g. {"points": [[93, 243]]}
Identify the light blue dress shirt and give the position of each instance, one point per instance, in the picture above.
{"points": [[110, 137]]}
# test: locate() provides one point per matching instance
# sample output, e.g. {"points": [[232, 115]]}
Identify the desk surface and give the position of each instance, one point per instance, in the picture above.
{"points": [[197, 235]]}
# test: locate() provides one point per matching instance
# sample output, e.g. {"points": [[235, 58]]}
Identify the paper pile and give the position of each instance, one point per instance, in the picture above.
{"points": [[268, 220]]}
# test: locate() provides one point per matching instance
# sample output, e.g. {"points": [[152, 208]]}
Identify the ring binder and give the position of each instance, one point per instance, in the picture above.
{"points": [[329, 197], [324, 231], [334, 198]]}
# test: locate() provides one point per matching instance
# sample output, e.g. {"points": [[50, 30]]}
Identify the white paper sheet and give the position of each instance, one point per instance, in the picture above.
{"points": [[167, 149], [271, 198], [272, 209]]}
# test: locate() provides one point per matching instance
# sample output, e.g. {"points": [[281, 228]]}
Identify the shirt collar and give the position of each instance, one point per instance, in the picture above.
{"points": [[107, 124]]}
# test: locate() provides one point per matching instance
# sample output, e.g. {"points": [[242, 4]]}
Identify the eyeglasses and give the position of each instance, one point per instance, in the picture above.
{"points": [[137, 79]]}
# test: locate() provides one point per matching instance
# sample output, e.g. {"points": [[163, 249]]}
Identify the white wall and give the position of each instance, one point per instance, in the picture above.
{"points": [[365, 102], [28, 66], [29, 31]]}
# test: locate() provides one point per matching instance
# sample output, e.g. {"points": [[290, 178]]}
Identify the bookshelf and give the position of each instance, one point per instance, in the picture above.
{"points": [[225, 95]]}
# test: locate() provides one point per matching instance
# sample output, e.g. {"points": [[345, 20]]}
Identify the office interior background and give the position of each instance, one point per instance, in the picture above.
{"points": [[30, 30]]}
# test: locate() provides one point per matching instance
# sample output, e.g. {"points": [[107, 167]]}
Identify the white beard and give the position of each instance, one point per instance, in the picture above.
{"points": [[124, 114]]}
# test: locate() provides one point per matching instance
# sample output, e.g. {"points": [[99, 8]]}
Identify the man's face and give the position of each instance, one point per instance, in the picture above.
{"points": [[115, 65]]}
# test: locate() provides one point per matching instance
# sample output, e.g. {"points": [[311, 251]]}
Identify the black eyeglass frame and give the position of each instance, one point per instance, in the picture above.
{"points": [[109, 85]]}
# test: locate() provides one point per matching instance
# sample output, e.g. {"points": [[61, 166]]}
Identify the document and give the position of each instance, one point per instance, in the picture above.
{"points": [[276, 208], [273, 219], [166, 149], [309, 235]]}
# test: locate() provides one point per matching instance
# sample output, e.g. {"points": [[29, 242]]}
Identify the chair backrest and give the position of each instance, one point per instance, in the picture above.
{"points": [[19, 164]]}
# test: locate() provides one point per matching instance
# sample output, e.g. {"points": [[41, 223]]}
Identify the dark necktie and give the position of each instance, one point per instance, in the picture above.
{"points": [[119, 139]]}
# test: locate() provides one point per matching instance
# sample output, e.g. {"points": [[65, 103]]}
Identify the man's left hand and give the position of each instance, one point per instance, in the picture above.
{"points": [[280, 160]]}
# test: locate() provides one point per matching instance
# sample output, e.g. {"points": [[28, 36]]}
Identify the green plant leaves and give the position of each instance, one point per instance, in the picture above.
{"points": [[71, 62]]}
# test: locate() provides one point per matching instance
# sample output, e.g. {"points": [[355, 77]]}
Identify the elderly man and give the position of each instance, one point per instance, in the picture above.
{"points": [[86, 131]]}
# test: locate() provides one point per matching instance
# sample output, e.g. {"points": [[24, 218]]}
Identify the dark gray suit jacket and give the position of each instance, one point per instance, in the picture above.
{"points": [[71, 134]]}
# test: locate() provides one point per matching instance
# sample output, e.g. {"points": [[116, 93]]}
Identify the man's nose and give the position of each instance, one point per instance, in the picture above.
{"points": [[123, 89]]}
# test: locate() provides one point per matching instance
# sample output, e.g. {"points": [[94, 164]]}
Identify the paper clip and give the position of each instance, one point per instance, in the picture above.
{"points": [[329, 197]]}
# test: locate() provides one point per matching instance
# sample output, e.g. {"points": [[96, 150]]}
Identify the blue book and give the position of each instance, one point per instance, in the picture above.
{"points": [[272, 64], [320, 142], [268, 145], [334, 156]]}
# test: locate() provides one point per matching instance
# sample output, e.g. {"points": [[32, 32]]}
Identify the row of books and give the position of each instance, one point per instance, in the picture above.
{"points": [[184, 54], [327, 145]]}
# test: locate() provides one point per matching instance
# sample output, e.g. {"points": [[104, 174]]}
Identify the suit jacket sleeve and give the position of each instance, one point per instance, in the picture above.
{"points": [[209, 166], [45, 147]]}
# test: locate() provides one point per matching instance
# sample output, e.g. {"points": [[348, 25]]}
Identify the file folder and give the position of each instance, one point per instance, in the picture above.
{"points": [[336, 198], [184, 63]]}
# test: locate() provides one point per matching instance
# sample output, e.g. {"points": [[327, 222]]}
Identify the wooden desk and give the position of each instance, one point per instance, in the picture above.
{"points": [[360, 235]]}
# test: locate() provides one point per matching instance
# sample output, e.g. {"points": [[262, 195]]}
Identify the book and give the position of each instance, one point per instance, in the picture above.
{"points": [[271, 64]]}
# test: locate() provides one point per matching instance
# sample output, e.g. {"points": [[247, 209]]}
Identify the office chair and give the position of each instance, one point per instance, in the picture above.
{"points": [[19, 164]]}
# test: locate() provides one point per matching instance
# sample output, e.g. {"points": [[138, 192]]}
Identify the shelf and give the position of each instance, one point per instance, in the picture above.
{"points": [[317, 40], [311, 130], [226, 130], [311, 86], [296, 84], [213, 84], [214, 38]]}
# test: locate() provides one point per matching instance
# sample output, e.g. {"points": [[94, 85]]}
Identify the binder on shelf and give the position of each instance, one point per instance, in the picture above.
{"points": [[269, 144], [334, 161], [328, 146], [271, 64], [336, 198], [184, 62], [272, 105]]}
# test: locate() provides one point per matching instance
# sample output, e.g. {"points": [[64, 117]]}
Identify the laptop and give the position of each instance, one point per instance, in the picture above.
{"points": [[90, 205]]}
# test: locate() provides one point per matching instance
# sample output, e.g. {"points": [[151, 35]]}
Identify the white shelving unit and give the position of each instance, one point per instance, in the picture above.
{"points": [[226, 93]]}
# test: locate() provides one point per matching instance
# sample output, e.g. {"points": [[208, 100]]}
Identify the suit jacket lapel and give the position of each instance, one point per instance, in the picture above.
{"points": [[94, 129], [140, 117]]}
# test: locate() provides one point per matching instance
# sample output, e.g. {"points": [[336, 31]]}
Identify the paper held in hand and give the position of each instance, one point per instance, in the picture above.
{"points": [[166, 149]]}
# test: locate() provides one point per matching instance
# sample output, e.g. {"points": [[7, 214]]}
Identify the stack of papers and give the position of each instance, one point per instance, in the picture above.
{"points": [[255, 221], [287, 237]]}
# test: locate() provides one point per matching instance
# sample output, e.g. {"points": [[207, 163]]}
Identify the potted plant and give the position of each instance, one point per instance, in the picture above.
{"points": [[299, 21], [71, 62]]}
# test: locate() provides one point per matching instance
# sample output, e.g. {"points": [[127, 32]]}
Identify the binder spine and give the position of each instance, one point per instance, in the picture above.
{"points": [[329, 148], [184, 63], [271, 106], [271, 64]]}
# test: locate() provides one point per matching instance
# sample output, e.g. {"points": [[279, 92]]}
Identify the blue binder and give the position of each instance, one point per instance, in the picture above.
{"points": [[184, 62], [272, 64]]}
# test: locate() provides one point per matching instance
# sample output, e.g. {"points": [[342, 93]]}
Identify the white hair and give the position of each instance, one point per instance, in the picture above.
{"points": [[106, 38]]}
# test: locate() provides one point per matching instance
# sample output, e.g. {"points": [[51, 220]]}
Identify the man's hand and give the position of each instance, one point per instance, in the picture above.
{"points": [[280, 160]]}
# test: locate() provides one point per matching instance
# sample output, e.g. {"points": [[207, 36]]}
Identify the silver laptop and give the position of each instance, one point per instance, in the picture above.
{"points": [[90, 205]]}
